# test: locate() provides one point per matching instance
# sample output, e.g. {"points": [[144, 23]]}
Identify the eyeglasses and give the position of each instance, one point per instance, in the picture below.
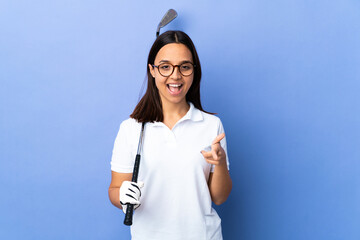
{"points": [[166, 69]]}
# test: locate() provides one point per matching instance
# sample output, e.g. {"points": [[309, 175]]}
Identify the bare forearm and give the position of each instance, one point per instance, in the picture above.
{"points": [[219, 181], [116, 181], [220, 184], [114, 197]]}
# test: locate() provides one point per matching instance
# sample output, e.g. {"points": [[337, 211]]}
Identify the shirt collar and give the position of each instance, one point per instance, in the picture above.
{"points": [[192, 114]]}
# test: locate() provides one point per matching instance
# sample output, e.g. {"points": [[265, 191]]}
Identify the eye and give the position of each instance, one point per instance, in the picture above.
{"points": [[165, 66], [186, 66]]}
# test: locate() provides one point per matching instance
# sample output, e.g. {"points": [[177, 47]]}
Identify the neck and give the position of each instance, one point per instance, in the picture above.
{"points": [[175, 111]]}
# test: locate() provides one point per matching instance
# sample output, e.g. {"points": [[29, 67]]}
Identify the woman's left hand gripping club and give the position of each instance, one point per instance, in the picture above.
{"points": [[130, 193], [217, 154]]}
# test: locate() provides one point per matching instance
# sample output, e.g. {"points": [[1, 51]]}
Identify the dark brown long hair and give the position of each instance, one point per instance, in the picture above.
{"points": [[149, 108]]}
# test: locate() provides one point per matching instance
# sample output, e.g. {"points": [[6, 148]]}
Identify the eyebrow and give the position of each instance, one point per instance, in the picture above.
{"points": [[167, 61]]}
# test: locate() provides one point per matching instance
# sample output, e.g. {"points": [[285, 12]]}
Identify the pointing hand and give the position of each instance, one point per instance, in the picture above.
{"points": [[217, 154]]}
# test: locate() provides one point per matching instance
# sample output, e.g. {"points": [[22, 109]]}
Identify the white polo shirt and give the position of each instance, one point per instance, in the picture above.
{"points": [[175, 200]]}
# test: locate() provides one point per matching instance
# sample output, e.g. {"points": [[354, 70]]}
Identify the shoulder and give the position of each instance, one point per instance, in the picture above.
{"points": [[130, 122], [130, 125], [212, 121], [210, 118]]}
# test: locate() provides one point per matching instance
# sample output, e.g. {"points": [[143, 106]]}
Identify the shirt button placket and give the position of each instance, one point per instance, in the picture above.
{"points": [[171, 138]]}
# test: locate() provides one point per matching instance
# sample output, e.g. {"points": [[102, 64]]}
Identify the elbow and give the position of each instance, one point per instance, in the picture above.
{"points": [[219, 201], [220, 198]]}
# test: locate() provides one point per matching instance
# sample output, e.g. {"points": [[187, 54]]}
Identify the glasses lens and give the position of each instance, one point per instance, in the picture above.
{"points": [[165, 69], [186, 69]]}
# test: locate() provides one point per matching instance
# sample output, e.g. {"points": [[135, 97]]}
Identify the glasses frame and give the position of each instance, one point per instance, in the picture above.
{"points": [[174, 66]]}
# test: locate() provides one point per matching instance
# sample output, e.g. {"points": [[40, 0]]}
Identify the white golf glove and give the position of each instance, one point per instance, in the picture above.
{"points": [[130, 193]]}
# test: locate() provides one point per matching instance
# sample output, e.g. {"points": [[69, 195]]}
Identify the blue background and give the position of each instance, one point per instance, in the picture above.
{"points": [[283, 76]]}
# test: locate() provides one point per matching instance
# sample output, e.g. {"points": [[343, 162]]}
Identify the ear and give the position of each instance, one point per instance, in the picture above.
{"points": [[152, 71]]}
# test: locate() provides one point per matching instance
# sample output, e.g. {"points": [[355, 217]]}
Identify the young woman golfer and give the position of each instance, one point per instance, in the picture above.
{"points": [[184, 163]]}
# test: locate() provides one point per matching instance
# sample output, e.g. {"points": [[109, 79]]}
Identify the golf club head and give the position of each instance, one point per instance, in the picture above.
{"points": [[168, 17]]}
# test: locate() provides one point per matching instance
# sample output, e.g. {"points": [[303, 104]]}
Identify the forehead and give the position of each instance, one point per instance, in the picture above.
{"points": [[174, 52]]}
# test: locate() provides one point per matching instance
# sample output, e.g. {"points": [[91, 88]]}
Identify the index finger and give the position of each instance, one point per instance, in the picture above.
{"points": [[218, 138]]}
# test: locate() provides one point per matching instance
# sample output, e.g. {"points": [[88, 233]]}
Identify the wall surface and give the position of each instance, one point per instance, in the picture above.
{"points": [[284, 77]]}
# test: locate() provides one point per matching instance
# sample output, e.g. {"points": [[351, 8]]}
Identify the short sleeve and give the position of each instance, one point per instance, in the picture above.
{"points": [[121, 160], [223, 144]]}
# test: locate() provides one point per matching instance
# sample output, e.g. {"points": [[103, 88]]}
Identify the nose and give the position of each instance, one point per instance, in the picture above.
{"points": [[176, 74]]}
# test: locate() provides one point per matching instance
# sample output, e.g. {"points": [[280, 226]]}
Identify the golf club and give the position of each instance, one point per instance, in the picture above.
{"points": [[130, 207], [168, 17]]}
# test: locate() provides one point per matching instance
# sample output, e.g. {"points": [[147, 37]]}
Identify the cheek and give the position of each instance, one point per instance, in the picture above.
{"points": [[190, 82], [159, 82], [188, 86]]}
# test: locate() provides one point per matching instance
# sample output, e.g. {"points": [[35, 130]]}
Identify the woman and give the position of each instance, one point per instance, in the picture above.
{"points": [[179, 176]]}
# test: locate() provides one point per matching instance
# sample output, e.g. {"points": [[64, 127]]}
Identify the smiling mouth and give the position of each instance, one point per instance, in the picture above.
{"points": [[174, 88]]}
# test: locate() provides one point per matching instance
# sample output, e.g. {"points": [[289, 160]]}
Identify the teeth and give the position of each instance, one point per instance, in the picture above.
{"points": [[175, 85]]}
